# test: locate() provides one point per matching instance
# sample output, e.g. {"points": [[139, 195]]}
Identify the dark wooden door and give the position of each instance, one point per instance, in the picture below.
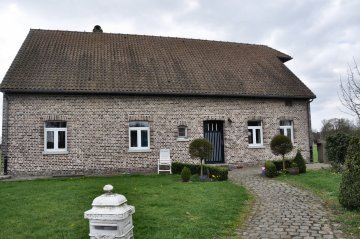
{"points": [[214, 132]]}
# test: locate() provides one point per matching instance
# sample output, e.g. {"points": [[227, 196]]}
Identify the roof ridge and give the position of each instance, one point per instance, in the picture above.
{"points": [[157, 36]]}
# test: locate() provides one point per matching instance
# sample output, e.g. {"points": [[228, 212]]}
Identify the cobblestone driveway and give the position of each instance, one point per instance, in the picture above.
{"points": [[282, 211]]}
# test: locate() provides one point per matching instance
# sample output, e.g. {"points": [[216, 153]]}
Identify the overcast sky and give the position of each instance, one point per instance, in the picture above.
{"points": [[322, 36]]}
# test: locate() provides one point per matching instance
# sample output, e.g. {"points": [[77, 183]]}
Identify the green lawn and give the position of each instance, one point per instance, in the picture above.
{"points": [[325, 184], [315, 154], [165, 207]]}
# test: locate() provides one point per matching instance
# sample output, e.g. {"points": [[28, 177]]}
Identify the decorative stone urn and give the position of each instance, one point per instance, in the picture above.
{"points": [[110, 216]]}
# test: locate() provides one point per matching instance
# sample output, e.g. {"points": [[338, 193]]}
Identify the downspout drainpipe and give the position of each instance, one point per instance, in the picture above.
{"points": [[5, 132], [310, 130]]}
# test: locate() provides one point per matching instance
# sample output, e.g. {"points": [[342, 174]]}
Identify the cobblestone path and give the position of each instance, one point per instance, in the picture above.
{"points": [[282, 211]]}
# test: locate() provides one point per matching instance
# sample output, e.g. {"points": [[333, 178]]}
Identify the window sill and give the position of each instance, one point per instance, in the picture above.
{"points": [[182, 139], [139, 150], [256, 146], [55, 152]]}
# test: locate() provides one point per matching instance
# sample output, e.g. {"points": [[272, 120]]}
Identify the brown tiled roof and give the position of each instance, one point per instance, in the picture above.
{"points": [[85, 62]]}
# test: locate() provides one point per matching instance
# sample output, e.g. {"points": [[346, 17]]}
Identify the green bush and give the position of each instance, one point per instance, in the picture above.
{"points": [[270, 169], [219, 172], [279, 164], [176, 167], [185, 174], [349, 195], [300, 161], [336, 146], [293, 165], [352, 162]]}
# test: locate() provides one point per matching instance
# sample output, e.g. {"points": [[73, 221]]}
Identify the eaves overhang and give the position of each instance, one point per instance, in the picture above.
{"points": [[168, 94]]}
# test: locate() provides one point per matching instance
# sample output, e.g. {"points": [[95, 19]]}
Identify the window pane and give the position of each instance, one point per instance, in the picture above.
{"points": [[254, 123], [50, 139], [55, 124], [282, 131], [61, 139], [138, 124], [285, 123], [182, 132], [250, 133], [133, 138], [288, 133], [144, 138], [258, 136]]}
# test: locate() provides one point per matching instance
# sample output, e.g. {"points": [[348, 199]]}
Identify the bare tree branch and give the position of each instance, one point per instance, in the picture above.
{"points": [[350, 90]]}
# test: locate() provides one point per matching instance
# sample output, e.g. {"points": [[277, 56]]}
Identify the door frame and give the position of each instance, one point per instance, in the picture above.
{"points": [[217, 146]]}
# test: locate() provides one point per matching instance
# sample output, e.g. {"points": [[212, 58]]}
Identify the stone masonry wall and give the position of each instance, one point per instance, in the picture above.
{"points": [[97, 130]]}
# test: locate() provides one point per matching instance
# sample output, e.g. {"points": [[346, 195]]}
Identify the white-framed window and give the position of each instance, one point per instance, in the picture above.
{"points": [[55, 137], [139, 136], [286, 128], [255, 134], [182, 131]]}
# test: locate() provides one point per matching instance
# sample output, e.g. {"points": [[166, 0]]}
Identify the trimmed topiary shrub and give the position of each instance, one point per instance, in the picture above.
{"points": [[300, 161], [201, 149], [281, 145], [185, 174], [336, 147], [349, 195], [270, 169]]}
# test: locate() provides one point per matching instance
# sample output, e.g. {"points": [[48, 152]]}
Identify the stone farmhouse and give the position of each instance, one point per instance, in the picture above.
{"points": [[80, 103]]}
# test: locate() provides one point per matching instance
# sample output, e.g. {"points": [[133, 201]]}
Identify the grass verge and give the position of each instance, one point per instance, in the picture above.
{"points": [[325, 184], [165, 207]]}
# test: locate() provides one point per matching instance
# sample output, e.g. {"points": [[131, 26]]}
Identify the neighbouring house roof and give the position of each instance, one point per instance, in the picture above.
{"points": [[85, 62]]}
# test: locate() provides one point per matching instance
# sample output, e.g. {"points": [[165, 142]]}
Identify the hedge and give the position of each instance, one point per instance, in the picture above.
{"points": [[279, 164], [220, 173], [349, 195], [336, 147], [176, 167]]}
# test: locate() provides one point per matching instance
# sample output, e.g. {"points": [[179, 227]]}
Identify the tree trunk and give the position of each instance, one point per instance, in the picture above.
{"points": [[201, 168], [283, 162]]}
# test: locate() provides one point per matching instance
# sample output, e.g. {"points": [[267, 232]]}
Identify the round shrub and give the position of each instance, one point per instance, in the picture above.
{"points": [[185, 174], [270, 169], [281, 145], [300, 161], [349, 195], [201, 149]]}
